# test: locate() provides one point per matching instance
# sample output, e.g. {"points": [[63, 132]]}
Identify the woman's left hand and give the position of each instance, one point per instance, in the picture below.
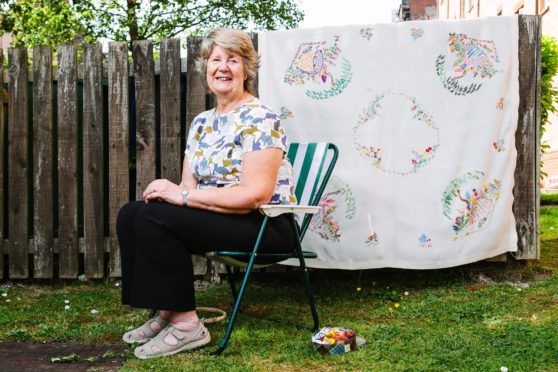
{"points": [[163, 190]]}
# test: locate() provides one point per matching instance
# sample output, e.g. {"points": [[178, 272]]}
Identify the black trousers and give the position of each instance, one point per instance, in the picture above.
{"points": [[157, 241]]}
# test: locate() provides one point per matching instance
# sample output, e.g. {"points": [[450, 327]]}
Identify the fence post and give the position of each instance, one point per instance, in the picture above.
{"points": [[526, 190], [67, 161], [93, 150], [170, 110], [118, 143], [144, 75], [18, 158], [43, 195]]}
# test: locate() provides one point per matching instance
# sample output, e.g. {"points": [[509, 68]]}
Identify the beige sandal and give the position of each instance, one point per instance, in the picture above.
{"points": [[186, 340], [144, 333]]}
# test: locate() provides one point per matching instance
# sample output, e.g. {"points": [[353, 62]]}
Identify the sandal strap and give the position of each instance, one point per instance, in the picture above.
{"points": [[199, 335], [145, 332]]}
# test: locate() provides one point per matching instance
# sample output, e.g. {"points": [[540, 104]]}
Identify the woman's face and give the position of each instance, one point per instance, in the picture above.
{"points": [[225, 73]]}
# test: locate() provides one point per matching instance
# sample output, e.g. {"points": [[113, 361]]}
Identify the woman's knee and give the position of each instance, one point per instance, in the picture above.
{"points": [[127, 214]]}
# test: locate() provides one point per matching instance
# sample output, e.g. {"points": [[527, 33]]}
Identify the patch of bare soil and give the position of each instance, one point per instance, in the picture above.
{"points": [[26, 356]]}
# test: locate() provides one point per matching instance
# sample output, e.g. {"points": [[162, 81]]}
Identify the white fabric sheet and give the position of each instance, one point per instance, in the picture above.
{"points": [[424, 114]]}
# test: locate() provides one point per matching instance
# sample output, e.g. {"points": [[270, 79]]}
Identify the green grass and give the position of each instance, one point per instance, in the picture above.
{"points": [[448, 320], [549, 197]]}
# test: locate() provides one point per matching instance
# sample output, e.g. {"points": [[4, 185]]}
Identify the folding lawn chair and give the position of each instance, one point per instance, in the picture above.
{"points": [[309, 160]]}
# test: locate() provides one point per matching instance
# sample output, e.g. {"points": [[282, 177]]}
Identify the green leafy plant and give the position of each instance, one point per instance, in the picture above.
{"points": [[549, 94]]}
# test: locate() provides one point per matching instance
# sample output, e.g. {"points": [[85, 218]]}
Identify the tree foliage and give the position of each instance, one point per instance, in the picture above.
{"points": [[549, 69], [51, 22], [46, 22], [549, 94]]}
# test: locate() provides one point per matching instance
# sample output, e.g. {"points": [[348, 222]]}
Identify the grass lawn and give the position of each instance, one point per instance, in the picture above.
{"points": [[477, 317], [549, 197]]}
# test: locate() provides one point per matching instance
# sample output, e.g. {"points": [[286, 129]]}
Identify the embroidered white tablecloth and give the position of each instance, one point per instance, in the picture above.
{"points": [[424, 114]]}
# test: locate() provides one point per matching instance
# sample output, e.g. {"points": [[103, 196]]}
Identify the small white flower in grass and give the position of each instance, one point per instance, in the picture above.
{"points": [[4, 295], [503, 369], [67, 307], [8, 300], [406, 293], [66, 301], [94, 312], [551, 228], [534, 317], [117, 284]]}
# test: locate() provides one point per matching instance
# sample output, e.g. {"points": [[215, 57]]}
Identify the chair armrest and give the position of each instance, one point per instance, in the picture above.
{"points": [[274, 210]]}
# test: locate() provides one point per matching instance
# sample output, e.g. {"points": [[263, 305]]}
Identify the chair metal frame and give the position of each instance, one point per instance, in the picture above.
{"points": [[270, 211]]}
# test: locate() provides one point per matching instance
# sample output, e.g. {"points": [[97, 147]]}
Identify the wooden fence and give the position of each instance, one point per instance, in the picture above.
{"points": [[80, 139]]}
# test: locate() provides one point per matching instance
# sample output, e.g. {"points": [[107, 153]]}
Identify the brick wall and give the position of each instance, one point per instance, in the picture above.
{"points": [[423, 9]]}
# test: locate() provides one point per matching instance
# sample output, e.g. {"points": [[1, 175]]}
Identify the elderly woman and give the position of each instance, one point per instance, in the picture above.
{"points": [[234, 162]]}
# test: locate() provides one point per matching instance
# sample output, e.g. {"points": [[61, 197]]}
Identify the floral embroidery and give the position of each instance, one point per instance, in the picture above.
{"points": [[315, 63], [326, 223], [367, 33], [416, 33], [472, 58], [499, 145], [424, 241], [372, 240], [216, 144], [421, 148], [470, 203]]}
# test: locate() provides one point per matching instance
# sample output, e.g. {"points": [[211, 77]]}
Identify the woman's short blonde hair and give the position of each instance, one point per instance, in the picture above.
{"points": [[235, 41]]}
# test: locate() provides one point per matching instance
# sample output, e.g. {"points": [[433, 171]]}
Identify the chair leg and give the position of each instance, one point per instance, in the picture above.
{"points": [[230, 327], [306, 280], [231, 282]]}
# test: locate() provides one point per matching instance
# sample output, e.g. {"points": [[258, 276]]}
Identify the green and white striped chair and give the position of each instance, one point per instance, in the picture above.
{"points": [[313, 164]]}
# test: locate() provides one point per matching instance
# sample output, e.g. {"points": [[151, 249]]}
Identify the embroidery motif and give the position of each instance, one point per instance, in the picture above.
{"points": [[372, 240], [413, 151], [338, 195], [424, 241], [500, 104], [471, 59], [285, 113], [416, 33], [498, 146], [470, 203], [367, 33], [317, 66]]}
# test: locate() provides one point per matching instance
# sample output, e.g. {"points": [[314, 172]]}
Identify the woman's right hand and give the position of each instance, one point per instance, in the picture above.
{"points": [[163, 190]]}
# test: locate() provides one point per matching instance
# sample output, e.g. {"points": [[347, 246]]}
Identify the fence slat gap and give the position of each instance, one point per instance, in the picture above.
{"points": [[2, 168]]}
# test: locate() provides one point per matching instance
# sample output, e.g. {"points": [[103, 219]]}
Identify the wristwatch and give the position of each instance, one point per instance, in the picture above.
{"points": [[184, 197]]}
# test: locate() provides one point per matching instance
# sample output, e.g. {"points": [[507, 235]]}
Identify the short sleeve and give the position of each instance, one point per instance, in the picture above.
{"points": [[263, 130], [194, 134]]}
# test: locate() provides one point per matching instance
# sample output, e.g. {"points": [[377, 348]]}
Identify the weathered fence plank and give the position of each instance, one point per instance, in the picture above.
{"points": [[527, 173], [170, 110], [18, 197], [67, 162], [118, 143], [196, 97], [43, 206], [2, 138], [93, 180], [144, 73]]}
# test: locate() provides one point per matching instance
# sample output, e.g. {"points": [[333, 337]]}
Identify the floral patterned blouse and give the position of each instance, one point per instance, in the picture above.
{"points": [[217, 142]]}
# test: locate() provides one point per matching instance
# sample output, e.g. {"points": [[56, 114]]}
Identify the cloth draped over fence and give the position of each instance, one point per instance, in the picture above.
{"points": [[425, 115]]}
